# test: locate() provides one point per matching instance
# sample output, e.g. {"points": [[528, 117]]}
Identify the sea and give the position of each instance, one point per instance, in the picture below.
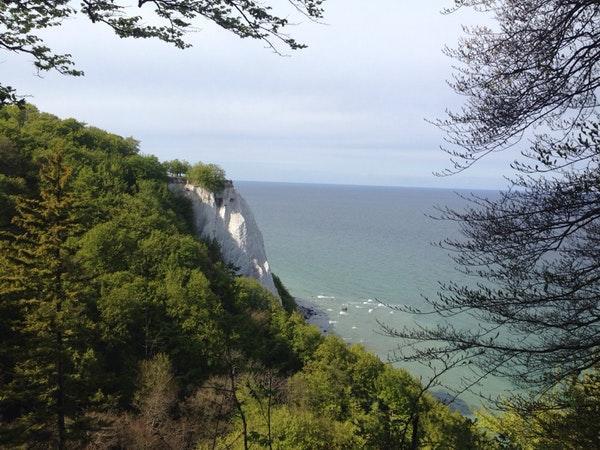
{"points": [[355, 252]]}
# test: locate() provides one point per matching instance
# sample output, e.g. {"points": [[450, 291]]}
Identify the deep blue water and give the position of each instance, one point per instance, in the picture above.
{"points": [[354, 249]]}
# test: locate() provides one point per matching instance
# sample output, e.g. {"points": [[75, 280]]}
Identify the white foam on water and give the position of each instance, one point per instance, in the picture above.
{"points": [[324, 296], [343, 313], [354, 328], [329, 309], [370, 310]]}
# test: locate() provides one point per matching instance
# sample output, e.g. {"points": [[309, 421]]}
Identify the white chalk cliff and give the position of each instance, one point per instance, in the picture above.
{"points": [[227, 218]]}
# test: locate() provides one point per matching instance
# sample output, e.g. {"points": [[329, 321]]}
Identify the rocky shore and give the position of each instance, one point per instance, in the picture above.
{"points": [[313, 314]]}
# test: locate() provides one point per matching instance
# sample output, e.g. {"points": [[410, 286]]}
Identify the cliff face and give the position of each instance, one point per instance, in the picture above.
{"points": [[227, 218]]}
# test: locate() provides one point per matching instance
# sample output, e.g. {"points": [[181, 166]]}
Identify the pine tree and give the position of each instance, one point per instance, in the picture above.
{"points": [[48, 382]]}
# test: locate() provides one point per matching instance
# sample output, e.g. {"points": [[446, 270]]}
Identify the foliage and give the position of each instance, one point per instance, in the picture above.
{"points": [[533, 65], [305, 430], [24, 23], [531, 252], [566, 418], [287, 299], [51, 330], [208, 176], [176, 167], [157, 422], [133, 281], [120, 329], [350, 385]]}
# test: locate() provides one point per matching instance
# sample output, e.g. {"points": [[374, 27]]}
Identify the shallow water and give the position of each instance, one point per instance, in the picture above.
{"points": [[354, 250]]}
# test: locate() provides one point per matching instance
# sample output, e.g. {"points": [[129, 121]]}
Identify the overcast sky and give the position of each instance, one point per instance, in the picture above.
{"points": [[349, 109]]}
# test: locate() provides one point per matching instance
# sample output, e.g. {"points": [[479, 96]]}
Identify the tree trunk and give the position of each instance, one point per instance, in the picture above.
{"points": [[414, 444], [238, 405], [60, 369], [60, 394], [270, 374]]}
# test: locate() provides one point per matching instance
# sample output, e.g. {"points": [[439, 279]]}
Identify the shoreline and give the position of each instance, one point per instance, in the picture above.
{"points": [[313, 314]]}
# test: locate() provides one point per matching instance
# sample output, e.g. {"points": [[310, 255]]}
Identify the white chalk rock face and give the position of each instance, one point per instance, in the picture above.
{"points": [[227, 218]]}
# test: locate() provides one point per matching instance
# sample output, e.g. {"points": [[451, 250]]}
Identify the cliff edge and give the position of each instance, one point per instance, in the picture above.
{"points": [[226, 217]]}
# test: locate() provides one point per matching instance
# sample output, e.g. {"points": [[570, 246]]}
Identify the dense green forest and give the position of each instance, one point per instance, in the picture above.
{"points": [[121, 329]]}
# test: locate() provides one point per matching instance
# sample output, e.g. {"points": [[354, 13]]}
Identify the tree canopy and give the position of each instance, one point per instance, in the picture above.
{"points": [[121, 329], [176, 167], [530, 253], [23, 24], [208, 176], [535, 64], [100, 271]]}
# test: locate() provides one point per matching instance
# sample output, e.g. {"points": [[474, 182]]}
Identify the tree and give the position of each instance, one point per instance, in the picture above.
{"points": [[208, 176], [159, 420], [538, 67], [156, 331], [48, 383], [177, 167], [556, 421], [532, 251], [22, 22], [381, 406], [156, 398]]}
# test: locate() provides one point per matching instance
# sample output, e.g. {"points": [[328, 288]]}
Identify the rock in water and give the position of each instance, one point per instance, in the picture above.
{"points": [[226, 217]]}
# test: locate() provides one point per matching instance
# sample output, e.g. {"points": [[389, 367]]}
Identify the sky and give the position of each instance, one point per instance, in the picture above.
{"points": [[349, 109]]}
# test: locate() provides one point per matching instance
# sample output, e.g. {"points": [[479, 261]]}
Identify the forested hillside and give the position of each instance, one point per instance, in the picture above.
{"points": [[120, 329]]}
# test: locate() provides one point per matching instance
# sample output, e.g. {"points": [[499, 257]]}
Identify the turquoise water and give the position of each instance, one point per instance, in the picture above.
{"points": [[354, 249]]}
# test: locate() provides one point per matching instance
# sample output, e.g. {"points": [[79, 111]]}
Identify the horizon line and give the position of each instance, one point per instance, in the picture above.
{"points": [[315, 183]]}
